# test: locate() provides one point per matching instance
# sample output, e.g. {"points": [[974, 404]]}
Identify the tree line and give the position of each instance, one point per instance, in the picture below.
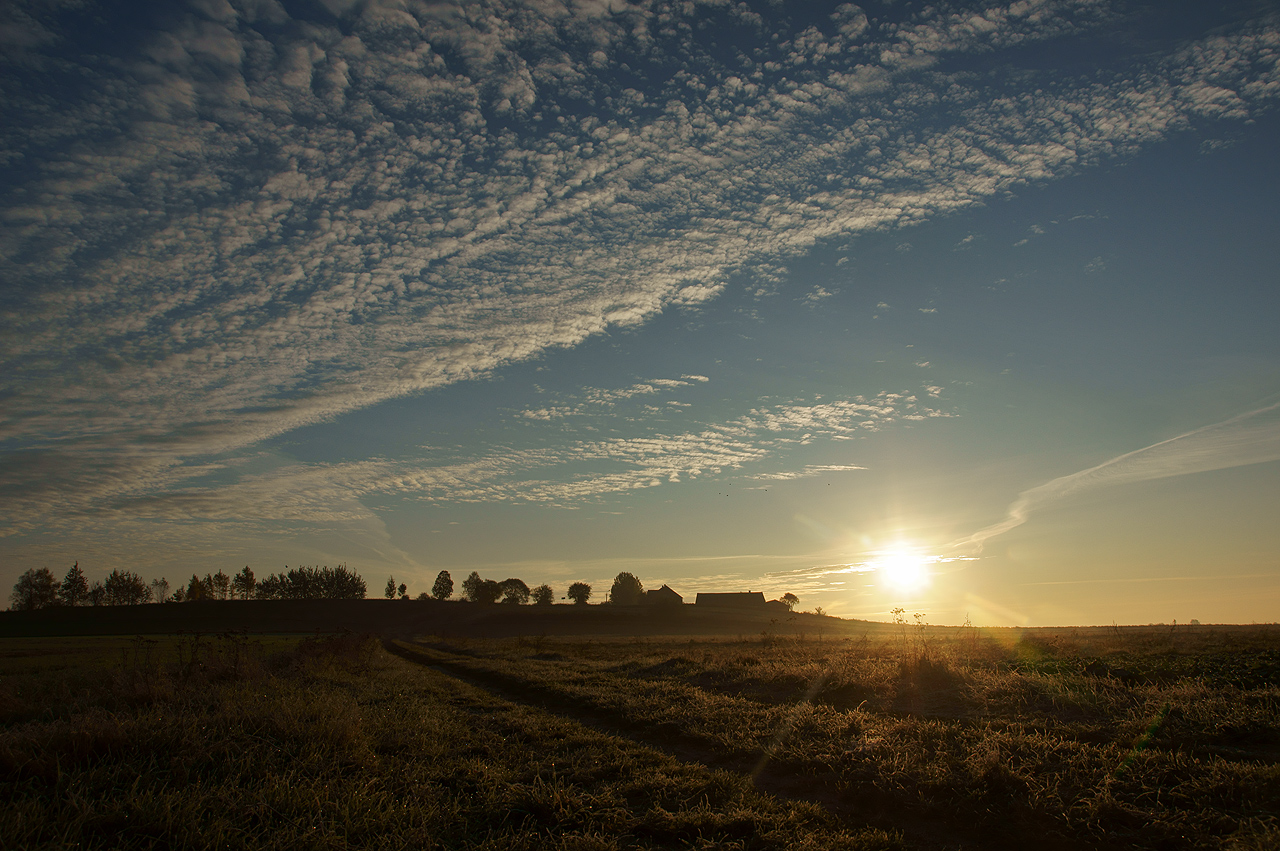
{"points": [[476, 589], [40, 589]]}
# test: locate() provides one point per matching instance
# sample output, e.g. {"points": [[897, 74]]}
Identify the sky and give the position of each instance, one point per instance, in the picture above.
{"points": [[963, 309]]}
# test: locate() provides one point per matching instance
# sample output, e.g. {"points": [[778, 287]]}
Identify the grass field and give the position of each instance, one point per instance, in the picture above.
{"points": [[929, 739]]}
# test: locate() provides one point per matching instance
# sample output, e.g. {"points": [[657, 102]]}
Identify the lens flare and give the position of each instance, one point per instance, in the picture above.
{"points": [[903, 570]]}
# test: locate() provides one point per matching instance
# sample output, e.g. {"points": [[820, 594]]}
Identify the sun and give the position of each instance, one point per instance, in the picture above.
{"points": [[903, 569]]}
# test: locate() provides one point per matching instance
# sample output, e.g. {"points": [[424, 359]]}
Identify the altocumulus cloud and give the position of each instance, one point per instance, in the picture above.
{"points": [[231, 219], [581, 470]]}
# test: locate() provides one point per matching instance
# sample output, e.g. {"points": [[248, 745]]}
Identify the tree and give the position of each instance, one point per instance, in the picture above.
{"points": [[220, 586], [196, 589], [35, 589], [424, 596], [314, 583], [179, 594], [479, 590], [579, 593], [271, 588], [790, 600], [404, 591], [244, 584], [543, 595], [443, 589], [125, 588], [471, 587], [626, 590], [75, 588], [97, 593], [390, 590], [490, 591], [514, 591], [160, 590]]}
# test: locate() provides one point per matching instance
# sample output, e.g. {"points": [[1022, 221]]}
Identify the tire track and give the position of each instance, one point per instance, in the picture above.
{"points": [[870, 807]]}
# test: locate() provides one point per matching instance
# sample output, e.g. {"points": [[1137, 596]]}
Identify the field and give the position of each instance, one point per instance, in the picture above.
{"points": [[898, 737]]}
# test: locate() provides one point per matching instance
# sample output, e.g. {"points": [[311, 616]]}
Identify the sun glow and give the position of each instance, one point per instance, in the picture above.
{"points": [[903, 569]]}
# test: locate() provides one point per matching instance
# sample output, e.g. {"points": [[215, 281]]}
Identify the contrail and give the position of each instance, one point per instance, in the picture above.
{"points": [[1250, 438]]}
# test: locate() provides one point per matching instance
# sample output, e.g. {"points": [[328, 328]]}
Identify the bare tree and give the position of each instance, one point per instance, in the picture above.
{"points": [[160, 590]]}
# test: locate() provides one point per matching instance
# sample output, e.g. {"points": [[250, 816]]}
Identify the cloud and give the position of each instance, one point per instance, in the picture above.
{"points": [[320, 496], [595, 400], [807, 472], [1250, 438], [256, 220]]}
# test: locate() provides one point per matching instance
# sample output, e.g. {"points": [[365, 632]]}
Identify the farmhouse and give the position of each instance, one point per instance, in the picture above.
{"points": [[732, 600], [663, 596]]}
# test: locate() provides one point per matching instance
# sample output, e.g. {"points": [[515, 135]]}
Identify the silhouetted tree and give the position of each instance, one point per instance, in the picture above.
{"points": [[404, 591], [626, 590], [244, 584], [424, 596], [543, 595], [97, 593], [75, 588], [271, 588], [196, 589], [514, 591], [160, 590], [490, 591], [125, 588], [314, 583], [179, 594], [579, 593], [220, 586], [390, 590], [479, 590], [790, 600], [35, 589], [471, 587], [443, 589]]}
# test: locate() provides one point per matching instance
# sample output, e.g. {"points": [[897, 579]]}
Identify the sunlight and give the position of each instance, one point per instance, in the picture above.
{"points": [[903, 569]]}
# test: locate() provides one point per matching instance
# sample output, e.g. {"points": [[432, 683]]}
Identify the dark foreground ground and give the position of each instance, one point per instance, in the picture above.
{"points": [[462, 619], [488, 727]]}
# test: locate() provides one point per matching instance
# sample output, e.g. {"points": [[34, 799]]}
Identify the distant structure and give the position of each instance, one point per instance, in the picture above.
{"points": [[663, 596], [732, 600]]}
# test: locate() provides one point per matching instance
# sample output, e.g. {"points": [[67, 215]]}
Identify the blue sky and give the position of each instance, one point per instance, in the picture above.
{"points": [[964, 308]]}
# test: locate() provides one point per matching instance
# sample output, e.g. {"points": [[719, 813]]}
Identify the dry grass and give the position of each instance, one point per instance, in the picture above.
{"points": [[1149, 739], [333, 743]]}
